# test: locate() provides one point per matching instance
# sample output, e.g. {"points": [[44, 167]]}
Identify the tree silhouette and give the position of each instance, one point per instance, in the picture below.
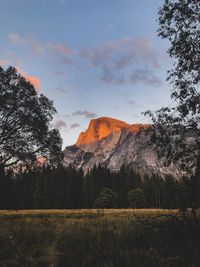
{"points": [[136, 198], [176, 128], [107, 198], [25, 116]]}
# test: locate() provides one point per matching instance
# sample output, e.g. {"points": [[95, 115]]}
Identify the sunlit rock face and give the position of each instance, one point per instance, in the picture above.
{"points": [[115, 143], [98, 130]]}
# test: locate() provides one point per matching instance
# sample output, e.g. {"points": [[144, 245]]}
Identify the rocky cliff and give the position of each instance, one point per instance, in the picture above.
{"points": [[113, 143]]}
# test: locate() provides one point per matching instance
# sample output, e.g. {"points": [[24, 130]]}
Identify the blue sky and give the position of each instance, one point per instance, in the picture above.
{"points": [[92, 57]]}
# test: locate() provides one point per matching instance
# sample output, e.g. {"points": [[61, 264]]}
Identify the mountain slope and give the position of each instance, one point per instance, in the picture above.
{"points": [[115, 143]]}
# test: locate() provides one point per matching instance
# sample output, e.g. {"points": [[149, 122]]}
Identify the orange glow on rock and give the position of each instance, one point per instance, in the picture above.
{"points": [[102, 127]]}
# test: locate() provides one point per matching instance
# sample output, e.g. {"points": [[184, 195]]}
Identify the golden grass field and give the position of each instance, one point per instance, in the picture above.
{"points": [[97, 238], [87, 211]]}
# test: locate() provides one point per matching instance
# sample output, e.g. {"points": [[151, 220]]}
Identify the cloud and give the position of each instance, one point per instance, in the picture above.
{"points": [[122, 52], [61, 90], [85, 113], [33, 80], [74, 125], [114, 58], [28, 40], [126, 94], [60, 49], [62, 52], [131, 102], [3, 62], [56, 50], [107, 75], [145, 76], [60, 74], [120, 61], [11, 59], [59, 124]]}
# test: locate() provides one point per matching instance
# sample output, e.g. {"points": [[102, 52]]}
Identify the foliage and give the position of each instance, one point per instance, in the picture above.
{"points": [[176, 128], [136, 198], [25, 116], [51, 187], [179, 23], [107, 198]]}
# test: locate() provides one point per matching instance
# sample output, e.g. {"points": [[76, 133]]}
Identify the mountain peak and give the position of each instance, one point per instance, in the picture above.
{"points": [[102, 127], [113, 143]]}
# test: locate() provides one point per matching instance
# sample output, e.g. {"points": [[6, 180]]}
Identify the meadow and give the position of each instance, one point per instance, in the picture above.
{"points": [[97, 238]]}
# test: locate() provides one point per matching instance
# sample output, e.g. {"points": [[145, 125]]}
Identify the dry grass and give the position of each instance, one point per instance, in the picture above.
{"points": [[101, 238], [111, 212]]}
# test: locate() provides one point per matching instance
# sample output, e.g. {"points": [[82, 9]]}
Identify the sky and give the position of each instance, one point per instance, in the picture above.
{"points": [[93, 58]]}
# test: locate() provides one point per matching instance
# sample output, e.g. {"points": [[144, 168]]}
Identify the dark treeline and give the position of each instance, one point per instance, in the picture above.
{"points": [[61, 187]]}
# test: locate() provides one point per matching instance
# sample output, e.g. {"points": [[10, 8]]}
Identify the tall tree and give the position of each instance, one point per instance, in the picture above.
{"points": [[107, 198], [136, 198], [25, 117], [176, 129]]}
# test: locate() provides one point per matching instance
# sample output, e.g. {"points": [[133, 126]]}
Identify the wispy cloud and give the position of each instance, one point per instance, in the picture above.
{"points": [[11, 60], [3, 62], [131, 102], [122, 52], [29, 40], [61, 52], [59, 124], [125, 60], [115, 58], [145, 76], [85, 113], [109, 76], [61, 90], [56, 50], [74, 125], [60, 74]]}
